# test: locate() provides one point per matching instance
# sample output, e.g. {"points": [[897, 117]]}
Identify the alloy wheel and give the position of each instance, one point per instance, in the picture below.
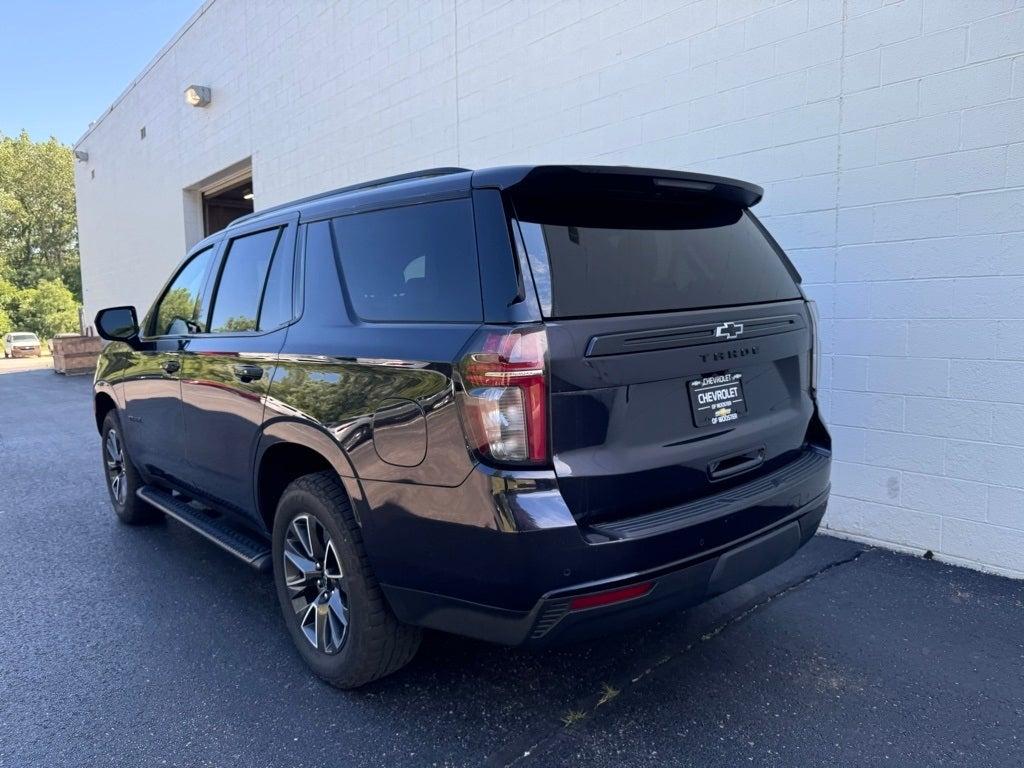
{"points": [[316, 583], [117, 474]]}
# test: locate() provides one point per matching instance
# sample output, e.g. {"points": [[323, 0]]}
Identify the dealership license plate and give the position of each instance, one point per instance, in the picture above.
{"points": [[717, 399]]}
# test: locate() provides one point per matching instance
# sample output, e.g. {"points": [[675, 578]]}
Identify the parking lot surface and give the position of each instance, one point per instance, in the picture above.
{"points": [[19, 364], [150, 646]]}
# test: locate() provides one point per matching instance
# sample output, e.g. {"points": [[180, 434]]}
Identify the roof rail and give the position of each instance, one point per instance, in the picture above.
{"points": [[424, 174]]}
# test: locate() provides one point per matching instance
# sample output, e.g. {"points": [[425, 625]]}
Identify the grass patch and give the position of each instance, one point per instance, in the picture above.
{"points": [[572, 717], [608, 692]]}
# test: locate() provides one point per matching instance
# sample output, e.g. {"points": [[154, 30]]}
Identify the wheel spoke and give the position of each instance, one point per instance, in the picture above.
{"points": [[339, 611], [119, 485], [299, 569], [113, 447], [317, 538], [323, 627], [308, 624], [300, 527], [332, 563]]}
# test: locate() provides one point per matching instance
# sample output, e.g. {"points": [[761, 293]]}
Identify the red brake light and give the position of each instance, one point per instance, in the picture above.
{"points": [[505, 402]]}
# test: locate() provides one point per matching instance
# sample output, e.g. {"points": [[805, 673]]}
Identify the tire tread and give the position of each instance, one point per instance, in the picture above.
{"points": [[392, 644]]}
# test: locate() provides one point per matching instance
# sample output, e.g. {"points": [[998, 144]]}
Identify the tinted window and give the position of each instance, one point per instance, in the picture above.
{"points": [[322, 297], [276, 308], [180, 310], [242, 277], [615, 256], [413, 263]]}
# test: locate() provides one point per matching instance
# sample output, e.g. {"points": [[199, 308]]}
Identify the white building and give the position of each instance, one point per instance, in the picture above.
{"points": [[889, 137]]}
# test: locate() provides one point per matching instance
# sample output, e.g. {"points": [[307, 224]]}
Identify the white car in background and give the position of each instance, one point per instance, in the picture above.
{"points": [[22, 344]]}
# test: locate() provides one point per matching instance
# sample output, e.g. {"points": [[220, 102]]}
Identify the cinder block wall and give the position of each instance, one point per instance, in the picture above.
{"points": [[889, 137]]}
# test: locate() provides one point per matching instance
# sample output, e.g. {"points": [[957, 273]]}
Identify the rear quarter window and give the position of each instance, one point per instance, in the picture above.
{"points": [[613, 256], [416, 263]]}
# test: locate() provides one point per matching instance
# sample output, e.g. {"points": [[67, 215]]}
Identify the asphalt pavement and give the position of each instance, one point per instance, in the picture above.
{"points": [[150, 646]]}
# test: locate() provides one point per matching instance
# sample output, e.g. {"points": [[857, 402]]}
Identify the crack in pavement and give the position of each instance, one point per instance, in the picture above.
{"points": [[712, 633]]}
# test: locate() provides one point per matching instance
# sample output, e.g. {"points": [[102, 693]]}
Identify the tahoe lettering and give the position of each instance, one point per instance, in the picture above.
{"points": [[729, 354]]}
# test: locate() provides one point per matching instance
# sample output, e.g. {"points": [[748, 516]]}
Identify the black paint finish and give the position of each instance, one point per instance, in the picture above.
{"points": [[211, 415]]}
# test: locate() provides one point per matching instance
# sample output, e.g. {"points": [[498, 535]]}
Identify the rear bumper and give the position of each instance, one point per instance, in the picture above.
{"points": [[673, 587], [516, 586]]}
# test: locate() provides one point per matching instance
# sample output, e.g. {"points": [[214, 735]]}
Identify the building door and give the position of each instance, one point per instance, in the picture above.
{"points": [[222, 206]]}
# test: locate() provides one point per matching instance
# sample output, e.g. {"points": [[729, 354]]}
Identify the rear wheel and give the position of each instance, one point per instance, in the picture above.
{"points": [[122, 478], [334, 609]]}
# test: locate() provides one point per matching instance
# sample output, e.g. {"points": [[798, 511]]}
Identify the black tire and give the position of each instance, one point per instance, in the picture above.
{"points": [[130, 509], [373, 642]]}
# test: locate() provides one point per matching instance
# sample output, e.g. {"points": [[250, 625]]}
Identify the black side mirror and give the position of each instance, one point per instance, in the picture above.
{"points": [[118, 324]]}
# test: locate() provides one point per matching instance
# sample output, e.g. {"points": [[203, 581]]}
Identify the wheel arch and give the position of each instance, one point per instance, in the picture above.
{"points": [[287, 450], [103, 403]]}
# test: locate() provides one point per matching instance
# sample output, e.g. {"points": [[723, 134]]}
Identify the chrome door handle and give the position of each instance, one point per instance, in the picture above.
{"points": [[247, 373]]}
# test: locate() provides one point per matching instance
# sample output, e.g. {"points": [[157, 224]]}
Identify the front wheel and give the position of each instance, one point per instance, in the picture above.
{"points": [[122, 478], [334, 609]]}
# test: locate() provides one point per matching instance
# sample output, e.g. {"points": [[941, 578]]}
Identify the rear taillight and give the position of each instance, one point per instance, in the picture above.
{"points": [[505, 395], [812, 309]]}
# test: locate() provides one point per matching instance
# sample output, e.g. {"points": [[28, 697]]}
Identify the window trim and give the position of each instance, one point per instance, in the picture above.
{"points": [[149, 322], [222, 265], [287, 242]]}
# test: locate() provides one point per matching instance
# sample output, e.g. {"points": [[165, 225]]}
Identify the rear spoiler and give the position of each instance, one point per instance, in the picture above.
{"points": [[562, 179]]}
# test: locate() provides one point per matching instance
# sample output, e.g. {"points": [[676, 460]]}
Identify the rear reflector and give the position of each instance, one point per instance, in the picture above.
{"points": [[610, 597]]}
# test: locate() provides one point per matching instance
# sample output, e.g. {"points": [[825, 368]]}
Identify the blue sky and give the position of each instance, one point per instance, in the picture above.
{"points": [[63, 63]]}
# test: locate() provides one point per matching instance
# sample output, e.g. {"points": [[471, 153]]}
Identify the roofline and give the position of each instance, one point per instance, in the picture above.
{"points": [[530, 178], [146, 70], [427, 173]]}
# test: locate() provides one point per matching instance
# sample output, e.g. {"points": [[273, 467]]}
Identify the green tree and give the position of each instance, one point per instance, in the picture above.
{"points": [[48, 309], [38, 227], [8, 304]]}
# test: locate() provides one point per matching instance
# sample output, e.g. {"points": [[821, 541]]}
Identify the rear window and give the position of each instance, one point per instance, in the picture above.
{"points": [[412, 264], [614, 256]]}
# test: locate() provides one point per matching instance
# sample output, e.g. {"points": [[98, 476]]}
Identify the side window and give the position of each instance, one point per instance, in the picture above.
{"points": [[322, 297], [276, 308], [180, 309], [243, 275], [415, 263]]}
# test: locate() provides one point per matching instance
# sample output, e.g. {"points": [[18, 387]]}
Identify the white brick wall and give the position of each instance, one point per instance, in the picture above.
{"points": [[889, 136]]}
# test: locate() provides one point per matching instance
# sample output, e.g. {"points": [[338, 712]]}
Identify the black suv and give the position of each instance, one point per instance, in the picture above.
{"points": [[523, 404]]}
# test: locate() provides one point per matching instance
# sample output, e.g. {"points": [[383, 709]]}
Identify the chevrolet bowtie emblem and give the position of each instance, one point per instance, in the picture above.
{"points": [[729, 330]]}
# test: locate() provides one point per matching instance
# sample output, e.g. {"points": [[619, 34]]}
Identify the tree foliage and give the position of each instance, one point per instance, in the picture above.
{"points": [[8, 304], [48, 309], [40, 278]]}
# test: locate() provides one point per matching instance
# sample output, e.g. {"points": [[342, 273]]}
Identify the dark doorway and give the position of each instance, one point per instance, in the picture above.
{"points": [[223, 207]]}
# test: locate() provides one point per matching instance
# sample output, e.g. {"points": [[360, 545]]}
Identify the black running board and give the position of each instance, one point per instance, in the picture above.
{"points": [[220, 531]]}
